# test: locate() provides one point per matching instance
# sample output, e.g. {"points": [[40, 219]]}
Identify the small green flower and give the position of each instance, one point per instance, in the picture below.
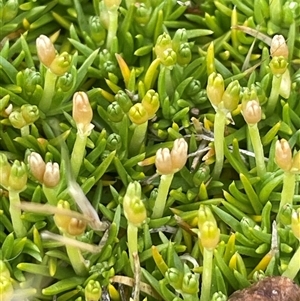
{"points": [[61, 64], [115, 112], [17, 120], [32, 78], [114, 142], [65, 82], [93, 291], [175, 278], [190, 284], [142, 13], [184, 54], [169, 57], [278, 65], [123, 100], [30, 113]]}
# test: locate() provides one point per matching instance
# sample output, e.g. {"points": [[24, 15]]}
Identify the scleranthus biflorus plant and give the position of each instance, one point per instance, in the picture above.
{"points": [[148, 150]]}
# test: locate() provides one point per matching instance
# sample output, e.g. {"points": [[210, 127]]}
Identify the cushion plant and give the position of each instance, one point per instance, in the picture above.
{"points": [[149, 150]]}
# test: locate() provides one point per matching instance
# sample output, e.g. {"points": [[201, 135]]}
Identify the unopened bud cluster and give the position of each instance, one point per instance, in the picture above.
{"points": [[169, 162], [46, 173], [284, 158]]}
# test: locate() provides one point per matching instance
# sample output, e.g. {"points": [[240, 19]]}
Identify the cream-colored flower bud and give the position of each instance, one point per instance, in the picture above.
{"points": [[179, 154], [163, 161], [82, 111], [37, 166], [283, 155], [51, 175], [167, 162], [279, 47], [45, 50], [252, 112]]}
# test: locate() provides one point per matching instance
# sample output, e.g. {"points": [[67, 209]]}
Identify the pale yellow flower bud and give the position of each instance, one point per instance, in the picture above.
{"points": [[209, 235], [37, 166], [279, 47], [51, 175], [76, 227], [62, 221], [45, 50], [296, 223], [296, 164], [283, 155], [82, 112], [252, 112]]}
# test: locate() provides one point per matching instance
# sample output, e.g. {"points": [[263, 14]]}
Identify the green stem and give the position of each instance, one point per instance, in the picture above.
{"points": [[293, 266], [25, 131], [207, 274], [272, 101], [161, 199], [288, 189], [132, 239], [78, 263], [138, 138], [15, 213], [78, 153], [51, 195], [258, 149], [112, 27], [49, 91], [219, 127]]}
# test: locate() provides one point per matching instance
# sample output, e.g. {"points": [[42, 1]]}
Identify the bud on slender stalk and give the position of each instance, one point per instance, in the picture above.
{"points": [[279, 47], [215, 88], [283, 155], [82, 112], [205, 215], [37, 166], [51, 175], [61, 64], [45, 50], [134, 208], [170, 162], [209, 235], [18, 176], [252, 112]]}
